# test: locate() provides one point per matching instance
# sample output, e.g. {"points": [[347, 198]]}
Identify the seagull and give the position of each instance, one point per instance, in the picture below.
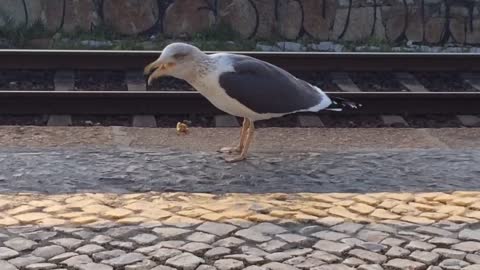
{"points": [[242, 86]]}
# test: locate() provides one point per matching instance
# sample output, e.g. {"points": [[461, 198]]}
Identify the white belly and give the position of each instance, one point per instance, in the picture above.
{"points": [[217, 96]]}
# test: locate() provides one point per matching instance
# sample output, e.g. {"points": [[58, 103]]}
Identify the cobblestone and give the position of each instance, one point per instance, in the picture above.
{"points": [[324, 256], [272, 246], [253, 235], [163, 267], [370, 267], [196, 248], [469, 234], [293, 238], [368, 256], [6, 253], [428, 258], [333, 267], [201, 237], [332, 247], [449, 253], [250, 259], [41, 266], [216, 228], [329, 235], [305, 263], [89, 249], [240, 209], [229, 242], [182, 252], [163, 254], [401, 264], [62, 257], [397, 252], [372, 236], [144, 238], [419, 245], [169, 233], [118, 221], [125, 259], [77, 260], [68, 243], [185, 261], [20, 244], [25, 260], [94, 266], [48, 252], [443, 241], [122, 244], [279, 266], [393, 241], [453, 264], [279, 256], [372, 246], [228, 264], [469, 246], [217, 252], [352, 261], [473, 258], [347, 227], [106, 255], [206, 267], [145, 264]]}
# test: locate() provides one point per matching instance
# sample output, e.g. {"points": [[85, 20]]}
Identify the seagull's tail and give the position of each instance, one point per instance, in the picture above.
{"points": [[339, 104]]}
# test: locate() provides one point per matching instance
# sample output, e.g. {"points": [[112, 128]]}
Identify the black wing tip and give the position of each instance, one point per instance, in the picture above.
{"points": [[338, 104]]}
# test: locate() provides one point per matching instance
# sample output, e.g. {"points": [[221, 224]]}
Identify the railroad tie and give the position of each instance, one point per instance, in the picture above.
{"points": [[410, 82], [469, 120], [64, 81], [225, 120], [309, 121], [136, 82], [474, 81], [346, 84], [394, 121]]}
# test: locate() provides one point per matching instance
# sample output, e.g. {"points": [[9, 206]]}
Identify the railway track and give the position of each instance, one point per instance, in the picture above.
{"points": [[392, 87]]}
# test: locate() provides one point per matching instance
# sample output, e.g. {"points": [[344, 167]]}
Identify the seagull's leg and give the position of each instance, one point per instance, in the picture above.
{"points": [[248, 140], [239, 147]]}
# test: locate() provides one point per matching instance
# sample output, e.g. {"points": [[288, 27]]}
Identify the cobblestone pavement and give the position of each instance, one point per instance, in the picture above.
{"points": [[121, 170], [241, 231], [123, 208], [330, 243]]}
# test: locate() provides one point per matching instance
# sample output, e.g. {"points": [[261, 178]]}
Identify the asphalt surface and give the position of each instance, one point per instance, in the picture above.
{"points": [[124, 170]]}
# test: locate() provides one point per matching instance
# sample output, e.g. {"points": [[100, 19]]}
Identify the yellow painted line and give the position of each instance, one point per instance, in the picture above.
{"points": [[193, 208]]}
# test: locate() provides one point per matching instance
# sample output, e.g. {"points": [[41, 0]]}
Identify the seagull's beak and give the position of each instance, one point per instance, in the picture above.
{"points": [[154, 70]]}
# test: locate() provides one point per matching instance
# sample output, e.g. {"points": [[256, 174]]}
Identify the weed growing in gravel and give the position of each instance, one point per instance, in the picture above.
{"points": [[370, 42], [221, 37], [19, 35]]}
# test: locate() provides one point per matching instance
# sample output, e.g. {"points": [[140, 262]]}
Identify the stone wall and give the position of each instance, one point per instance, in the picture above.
{"points": [[424, 21]]}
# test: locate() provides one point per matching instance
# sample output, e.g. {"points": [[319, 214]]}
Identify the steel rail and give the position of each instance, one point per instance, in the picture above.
{"points": [[183, 102], [292, 61]]}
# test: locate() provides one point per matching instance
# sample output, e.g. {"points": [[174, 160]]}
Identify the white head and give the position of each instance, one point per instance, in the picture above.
{"points": [[177, 60]]}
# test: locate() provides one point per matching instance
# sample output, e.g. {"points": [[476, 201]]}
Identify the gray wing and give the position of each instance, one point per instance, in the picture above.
{"points": [[265, 88]]}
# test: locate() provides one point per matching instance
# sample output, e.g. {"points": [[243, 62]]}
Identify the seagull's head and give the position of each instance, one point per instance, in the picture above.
{"points": [[177, 60]]}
